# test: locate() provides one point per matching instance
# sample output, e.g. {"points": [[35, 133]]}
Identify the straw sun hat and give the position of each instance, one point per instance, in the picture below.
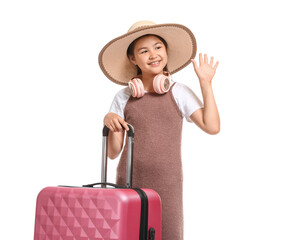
{"points": [[181, 48]]}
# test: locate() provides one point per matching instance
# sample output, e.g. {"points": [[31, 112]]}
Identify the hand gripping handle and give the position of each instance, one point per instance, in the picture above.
{"points": [[131, 134]]}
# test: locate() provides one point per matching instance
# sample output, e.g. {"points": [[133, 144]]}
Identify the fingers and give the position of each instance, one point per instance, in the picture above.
{"points": [[194, 63], [115, 123], [211, 61], [125, 125], [206, 59], [111, 125], [216, 65], [118, 126], [114, 126], [200, 59]]}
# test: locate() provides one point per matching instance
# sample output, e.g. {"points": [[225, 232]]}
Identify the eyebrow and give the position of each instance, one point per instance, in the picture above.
{"points": [[146, 47]]}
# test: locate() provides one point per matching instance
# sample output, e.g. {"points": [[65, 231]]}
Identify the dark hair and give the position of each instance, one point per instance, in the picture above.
{"points": [[130, 50]]}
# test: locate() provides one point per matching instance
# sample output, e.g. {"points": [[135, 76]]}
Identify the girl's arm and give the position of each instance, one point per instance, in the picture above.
{"points": [[116, 134], [206, 118], [115, 144]]}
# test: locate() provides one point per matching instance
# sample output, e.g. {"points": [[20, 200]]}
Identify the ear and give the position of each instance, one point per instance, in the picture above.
{"points": [[132, 59]]}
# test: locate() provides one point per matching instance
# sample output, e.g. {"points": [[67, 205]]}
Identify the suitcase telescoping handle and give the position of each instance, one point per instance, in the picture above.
{"points": [[129, 171]]}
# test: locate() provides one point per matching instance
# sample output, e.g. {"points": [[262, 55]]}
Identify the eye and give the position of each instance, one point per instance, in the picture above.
{"points": [[158, 47], [142, 52]]}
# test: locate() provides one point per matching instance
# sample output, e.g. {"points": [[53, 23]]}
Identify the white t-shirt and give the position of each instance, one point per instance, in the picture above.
{"points": [[185, 98]]}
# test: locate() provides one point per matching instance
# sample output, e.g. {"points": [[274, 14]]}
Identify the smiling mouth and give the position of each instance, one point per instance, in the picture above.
{"points": [[156, 63]]}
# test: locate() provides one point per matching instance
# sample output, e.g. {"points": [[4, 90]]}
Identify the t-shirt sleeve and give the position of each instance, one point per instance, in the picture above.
{"points": [[119, 102], [186, 100]]}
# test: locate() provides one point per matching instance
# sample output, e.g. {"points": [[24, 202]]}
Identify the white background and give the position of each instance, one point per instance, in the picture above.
{"points": [[53, 97]]}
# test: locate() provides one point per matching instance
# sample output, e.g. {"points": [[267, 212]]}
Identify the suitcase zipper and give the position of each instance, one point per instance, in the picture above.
{"points": [[151, 234], [144, 213]]}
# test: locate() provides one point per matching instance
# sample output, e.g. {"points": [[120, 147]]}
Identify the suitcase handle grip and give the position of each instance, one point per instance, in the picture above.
{"points": [[111, 184], [131, 134], [131, 131]]}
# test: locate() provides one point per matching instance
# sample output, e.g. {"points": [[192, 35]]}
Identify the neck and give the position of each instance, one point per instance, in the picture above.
{"points": [[147, 80]]}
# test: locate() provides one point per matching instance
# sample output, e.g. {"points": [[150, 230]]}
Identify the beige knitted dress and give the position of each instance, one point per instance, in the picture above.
{"points": [[157, 155]]}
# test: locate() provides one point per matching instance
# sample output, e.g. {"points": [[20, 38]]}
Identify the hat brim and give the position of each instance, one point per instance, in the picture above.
{"points": [[181, 48]]}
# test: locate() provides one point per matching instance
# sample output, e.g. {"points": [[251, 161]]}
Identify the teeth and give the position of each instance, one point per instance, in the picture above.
{"points": [[155, 63]]}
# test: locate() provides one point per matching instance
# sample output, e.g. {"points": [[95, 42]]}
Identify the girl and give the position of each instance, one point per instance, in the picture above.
{"points": [[150, 53]]}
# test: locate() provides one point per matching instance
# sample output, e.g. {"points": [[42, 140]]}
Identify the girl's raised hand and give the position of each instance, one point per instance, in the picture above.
{"points": [[206, 70], [114, 122]]}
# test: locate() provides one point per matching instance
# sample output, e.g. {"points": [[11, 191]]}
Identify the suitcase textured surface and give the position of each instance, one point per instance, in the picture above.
{"points": [[70, 213], [94, 213]]}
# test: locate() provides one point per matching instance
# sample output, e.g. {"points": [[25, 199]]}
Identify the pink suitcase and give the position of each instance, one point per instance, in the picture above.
{"points": [[99, 213]]}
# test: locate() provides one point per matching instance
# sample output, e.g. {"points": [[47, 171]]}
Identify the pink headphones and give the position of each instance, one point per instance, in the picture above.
{"points": [[161, 85]]}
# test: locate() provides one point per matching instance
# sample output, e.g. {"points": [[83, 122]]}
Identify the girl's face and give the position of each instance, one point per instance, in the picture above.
{"points": [[150, 55]]}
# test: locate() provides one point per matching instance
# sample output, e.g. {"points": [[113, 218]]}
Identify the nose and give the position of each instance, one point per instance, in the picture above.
{"points": [[152, 55]]}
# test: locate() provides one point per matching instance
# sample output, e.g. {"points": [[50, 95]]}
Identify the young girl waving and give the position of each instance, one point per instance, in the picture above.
{"points": [[145, 58]]}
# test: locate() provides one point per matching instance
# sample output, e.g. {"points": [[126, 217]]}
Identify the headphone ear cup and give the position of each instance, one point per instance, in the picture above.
{"points": [[136, 87], [161, 83]]}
